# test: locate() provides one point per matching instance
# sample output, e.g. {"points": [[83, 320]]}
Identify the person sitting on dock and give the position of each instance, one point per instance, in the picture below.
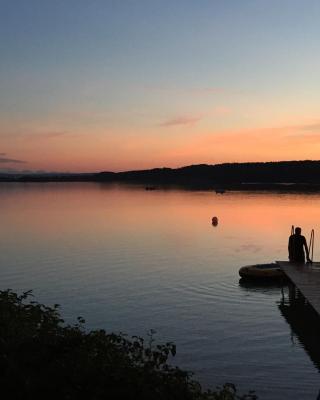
{"points": [[298, 247]]}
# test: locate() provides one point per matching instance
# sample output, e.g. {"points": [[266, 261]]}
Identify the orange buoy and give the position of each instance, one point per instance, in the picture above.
{"points": [[215, 221]]}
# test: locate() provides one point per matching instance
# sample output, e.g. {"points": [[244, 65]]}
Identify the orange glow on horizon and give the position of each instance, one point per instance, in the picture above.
{"points": [[119, 151]]}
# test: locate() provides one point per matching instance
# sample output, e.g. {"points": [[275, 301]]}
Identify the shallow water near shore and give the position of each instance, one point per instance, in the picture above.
{"points": [[131, 260]]}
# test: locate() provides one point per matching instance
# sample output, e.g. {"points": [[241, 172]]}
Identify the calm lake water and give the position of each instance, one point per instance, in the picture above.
{"points": [[131, 260]]}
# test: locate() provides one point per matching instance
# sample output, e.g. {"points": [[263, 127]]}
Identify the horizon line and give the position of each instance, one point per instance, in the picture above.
{"points": [[40, 172]]}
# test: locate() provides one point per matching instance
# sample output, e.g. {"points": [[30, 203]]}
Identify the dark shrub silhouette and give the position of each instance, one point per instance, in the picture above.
{"points": [[42, 358]]}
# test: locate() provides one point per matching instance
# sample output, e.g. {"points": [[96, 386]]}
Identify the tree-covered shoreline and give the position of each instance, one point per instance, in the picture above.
{"points": [[280, 175]]}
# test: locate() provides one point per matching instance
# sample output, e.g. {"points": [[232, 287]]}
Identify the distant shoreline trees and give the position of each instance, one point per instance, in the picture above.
{"points": [[304, 175]]}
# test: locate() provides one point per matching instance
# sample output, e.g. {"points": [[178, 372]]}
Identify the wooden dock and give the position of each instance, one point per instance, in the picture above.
{"points": [[306, 277]]}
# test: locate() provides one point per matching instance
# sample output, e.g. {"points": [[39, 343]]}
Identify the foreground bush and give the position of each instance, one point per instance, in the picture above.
{"points": [[41, 358]]}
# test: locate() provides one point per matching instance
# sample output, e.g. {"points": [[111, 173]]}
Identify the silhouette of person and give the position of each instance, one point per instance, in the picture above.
{"points": [[297, 247]]}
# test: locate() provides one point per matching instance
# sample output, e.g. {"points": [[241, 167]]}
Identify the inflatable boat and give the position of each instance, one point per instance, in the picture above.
{"points": [[262, 271]]}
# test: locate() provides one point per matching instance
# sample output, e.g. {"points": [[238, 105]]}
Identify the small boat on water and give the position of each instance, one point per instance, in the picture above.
{"points": [[150, 188], [262, 271]]}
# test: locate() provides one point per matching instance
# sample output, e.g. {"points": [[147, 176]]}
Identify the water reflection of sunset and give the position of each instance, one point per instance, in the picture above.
{"points": [[129, 259], [49, 212]]}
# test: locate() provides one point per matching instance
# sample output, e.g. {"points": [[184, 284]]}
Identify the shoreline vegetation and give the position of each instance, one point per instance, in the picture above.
{"points": [[43, 358], [284, 176]]}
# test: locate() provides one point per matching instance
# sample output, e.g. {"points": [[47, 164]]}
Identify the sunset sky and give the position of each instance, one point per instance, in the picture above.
{"points": [[90, 85]]}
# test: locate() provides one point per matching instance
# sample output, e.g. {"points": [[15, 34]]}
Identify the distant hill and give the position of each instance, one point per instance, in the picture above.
{"points": [[229, 175]]}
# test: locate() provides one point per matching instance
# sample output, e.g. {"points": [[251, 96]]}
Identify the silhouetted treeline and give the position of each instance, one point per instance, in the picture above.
{"points": [[47, 177], [236, 173], [231, 175]]}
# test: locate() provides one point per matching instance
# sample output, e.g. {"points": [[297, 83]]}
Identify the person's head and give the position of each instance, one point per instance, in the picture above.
{"points": [[297, 231]]}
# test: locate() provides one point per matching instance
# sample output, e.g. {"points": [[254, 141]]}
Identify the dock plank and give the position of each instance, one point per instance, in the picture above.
{"points": [[306, 277]]}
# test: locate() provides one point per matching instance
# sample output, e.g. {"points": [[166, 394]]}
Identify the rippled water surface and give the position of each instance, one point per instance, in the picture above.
{"points": [[131, 260]]}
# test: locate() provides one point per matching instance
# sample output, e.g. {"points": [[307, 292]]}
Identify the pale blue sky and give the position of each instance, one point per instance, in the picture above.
{"points": [[127, 67]]}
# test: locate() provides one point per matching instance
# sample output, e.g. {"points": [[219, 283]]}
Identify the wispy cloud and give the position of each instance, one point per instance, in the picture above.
{"points": [[181, 120], [305, 138], [189, 90], [55, 134], [206, 90], [4, 160], [47, 135], [295, 142], [305, 133], [192, 119], [222, 110], [8, 170], [310, 127], [26, 134]]}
